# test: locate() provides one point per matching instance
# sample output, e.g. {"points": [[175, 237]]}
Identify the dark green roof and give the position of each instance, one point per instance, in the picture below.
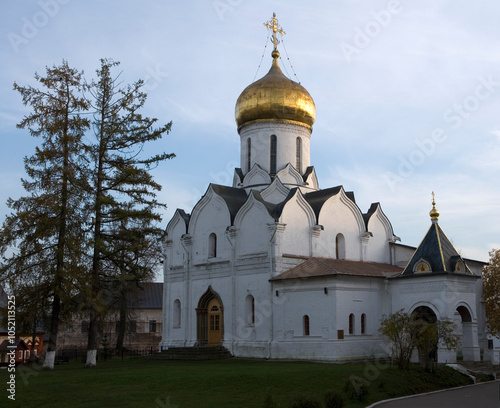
{"points": [[438, 252]]}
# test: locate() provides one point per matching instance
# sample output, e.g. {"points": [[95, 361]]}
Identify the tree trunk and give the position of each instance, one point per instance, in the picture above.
{"points": [[48, 363], [92, 343], [91, 359], [122, 323], [61, 245], [96, 283]]}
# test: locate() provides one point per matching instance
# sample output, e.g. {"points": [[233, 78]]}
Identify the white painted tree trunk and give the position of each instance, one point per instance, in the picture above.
{"points": [[48, 363], [91, 358]]}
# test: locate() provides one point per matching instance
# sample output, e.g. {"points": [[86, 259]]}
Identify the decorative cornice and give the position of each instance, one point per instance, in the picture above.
{"points": [[316, 230], [274, 121], [231, 231], [276, 227], [187, 240], [293, 128], [365, 237]]}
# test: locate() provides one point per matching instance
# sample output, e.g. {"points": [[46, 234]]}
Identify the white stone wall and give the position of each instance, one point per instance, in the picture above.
{"points": [[328, 313], [213, 217], [340, 216], [401, 254], [247, 258], [253, 237], [286, 133], [378, 244], [176, 253], [298, 219]]}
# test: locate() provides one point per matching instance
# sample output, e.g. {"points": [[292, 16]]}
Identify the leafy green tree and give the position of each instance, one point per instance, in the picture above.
{"points": [[410, 331], [124, 202], [431, 335], [491, 292], [41, 240], [402, 330]]}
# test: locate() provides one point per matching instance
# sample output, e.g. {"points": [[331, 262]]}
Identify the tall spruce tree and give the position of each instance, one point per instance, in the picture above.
{"points": [[124, 204], [46, 226]]}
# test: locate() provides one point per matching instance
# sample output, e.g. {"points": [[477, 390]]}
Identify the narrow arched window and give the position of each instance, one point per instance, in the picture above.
{"points": [[273, 152], [298, 155], [351, 324], [250, 309], [306, 325], [340, 246], [176, 320], [212, 245], [249, 154], [363, 324]]}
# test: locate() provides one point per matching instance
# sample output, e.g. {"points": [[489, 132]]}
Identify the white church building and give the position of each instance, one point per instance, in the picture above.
{"points": [[275, 267]]}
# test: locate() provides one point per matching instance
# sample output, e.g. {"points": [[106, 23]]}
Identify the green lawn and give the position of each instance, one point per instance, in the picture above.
{"points": [[208, 384]]}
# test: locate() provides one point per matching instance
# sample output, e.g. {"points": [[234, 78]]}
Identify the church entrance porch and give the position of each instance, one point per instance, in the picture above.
{"points": [[209, 319]]}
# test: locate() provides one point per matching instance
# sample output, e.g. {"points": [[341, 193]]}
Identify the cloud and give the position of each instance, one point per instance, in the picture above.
{"points": [[370, 113]]}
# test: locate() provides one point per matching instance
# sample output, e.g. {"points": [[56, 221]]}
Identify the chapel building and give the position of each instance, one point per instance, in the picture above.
{"points": [[275, 267]]}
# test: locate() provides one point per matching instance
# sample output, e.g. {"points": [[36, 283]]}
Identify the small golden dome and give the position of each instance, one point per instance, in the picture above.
{"points": [[275, 98]]}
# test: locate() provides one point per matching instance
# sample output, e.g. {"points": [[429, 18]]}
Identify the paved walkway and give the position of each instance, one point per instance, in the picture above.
{"points": [[483, 395]]}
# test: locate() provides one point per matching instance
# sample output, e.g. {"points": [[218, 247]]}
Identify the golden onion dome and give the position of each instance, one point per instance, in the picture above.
{"points": [[275, 98], [434, 213]]}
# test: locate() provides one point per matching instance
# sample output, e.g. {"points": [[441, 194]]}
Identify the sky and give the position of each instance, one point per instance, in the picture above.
{"points": [[407, 95]]}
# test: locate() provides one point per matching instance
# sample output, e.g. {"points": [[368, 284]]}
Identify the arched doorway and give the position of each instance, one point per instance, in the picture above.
{"points": [[428, 348], [209, 319], [470, 348]]}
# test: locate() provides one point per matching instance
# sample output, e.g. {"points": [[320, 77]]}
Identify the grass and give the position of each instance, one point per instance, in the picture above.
{"points": [[208, 384]]}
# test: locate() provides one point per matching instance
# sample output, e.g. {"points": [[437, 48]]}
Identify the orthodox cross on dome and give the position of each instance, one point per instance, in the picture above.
{"points": [[434, 213], [274, 25]]}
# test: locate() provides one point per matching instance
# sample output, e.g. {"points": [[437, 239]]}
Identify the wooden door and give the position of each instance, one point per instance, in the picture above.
{"points": [[214, 323]]}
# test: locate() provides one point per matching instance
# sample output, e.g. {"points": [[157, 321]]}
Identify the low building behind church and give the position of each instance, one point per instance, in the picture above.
{"points": [[143, 324]]}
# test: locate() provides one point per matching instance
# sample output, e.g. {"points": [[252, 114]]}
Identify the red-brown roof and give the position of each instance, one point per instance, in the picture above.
{"points": [[321, 267]]}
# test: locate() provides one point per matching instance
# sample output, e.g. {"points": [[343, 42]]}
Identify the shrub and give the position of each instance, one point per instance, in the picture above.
{"points": [[305, 401], [356, 392], [381, 385], [334, 400]]}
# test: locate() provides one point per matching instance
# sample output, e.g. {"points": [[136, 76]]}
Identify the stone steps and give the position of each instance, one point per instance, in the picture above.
{"points": [[193, 353], [480, 366]]}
